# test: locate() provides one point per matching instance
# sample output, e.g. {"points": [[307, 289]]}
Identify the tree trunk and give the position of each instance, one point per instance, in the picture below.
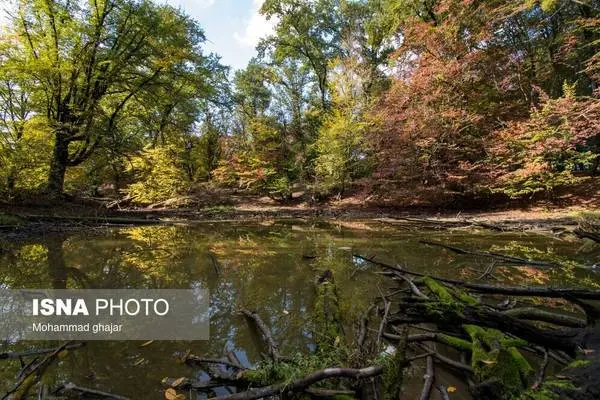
{"points": [[58, 167]]}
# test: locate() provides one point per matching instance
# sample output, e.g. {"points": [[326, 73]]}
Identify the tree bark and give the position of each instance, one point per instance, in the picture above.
{"points": [[58, 167]]}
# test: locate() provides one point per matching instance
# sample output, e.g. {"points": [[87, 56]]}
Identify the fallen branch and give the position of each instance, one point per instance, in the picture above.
{"points": [[386, 311], [535, 314], [193, 359], [303, 383], [428, 378], [327, 393], [266, 332], [362, 331], [498, 256], [432, 311], [540, 377], [36, 352], [443, 392], [566, 293], [446, 360], [70, 387], [29, 378], [582, 234]]}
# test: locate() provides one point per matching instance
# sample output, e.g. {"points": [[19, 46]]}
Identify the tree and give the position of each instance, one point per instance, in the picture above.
{"points": [[87, 61], [306, 31]]}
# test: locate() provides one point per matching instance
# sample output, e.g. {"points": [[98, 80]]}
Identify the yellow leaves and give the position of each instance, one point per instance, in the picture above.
{"points": [[171, 394], [451, 389]]}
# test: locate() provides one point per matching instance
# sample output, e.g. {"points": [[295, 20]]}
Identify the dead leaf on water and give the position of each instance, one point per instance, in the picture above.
{"points": [[171, 394], [451, 389]]}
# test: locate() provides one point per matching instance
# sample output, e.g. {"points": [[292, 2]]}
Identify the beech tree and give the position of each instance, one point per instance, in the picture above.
{"points": [[87, 61]]}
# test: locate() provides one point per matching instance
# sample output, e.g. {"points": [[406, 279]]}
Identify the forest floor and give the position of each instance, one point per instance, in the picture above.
{"points": [[245, 207]]}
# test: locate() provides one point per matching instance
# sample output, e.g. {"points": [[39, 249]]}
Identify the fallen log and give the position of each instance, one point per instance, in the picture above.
{"points": [[438, 312], [566, 293], [301, 384], [534, 314]]}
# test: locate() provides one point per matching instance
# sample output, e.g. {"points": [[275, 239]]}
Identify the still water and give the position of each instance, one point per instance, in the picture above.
{"points": [[269, 267]]}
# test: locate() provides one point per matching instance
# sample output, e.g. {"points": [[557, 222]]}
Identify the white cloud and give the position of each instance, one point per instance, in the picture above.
{"points": [[255, 28]]}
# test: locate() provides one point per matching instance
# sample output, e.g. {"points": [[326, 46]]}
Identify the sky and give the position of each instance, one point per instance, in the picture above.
{"points": [[232, 27]]}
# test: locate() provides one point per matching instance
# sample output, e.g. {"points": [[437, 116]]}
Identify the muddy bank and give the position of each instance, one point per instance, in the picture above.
{"points": [[17, 216]]}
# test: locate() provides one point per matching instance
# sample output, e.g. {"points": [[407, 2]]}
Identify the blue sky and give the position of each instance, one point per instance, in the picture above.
{"points": [[232, 27]]}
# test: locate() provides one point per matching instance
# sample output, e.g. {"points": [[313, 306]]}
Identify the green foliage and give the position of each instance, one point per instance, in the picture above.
{"points": [[24, 162], [159, 175]]}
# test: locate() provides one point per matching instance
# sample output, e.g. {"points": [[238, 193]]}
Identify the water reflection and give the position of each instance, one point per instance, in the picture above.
{"points": [[268, 267]]}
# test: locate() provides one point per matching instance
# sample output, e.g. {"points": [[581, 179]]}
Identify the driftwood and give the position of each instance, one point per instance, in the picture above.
{"points": [[301, 384]]}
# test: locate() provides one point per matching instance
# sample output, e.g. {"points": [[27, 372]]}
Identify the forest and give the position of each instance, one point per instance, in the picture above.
{"points": [[415, 102], [316, 195]]}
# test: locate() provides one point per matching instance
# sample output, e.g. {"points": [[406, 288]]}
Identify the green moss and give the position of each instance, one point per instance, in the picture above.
{"points": [[578, 364], [439, 290], [455, 342], [466, 298], [551, 389], [560, 384], [494, 356]]}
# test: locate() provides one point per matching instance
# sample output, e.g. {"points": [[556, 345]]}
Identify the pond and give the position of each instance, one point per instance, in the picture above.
{"points": [[267, 266]]}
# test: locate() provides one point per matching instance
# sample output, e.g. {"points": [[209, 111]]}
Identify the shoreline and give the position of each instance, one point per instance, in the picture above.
{"points": [[16, 220]]}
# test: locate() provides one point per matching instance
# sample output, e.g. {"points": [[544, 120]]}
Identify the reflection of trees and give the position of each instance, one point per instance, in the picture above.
{"points": [[57, 270], [259, 267]]}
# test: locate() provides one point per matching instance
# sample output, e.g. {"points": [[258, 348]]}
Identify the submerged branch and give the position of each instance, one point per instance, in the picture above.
{"points": [[266, 332]]}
